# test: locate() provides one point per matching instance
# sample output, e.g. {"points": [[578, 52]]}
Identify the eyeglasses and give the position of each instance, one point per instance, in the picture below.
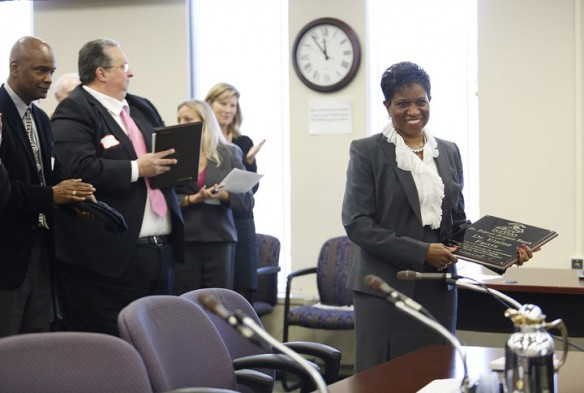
{"points": [[124, 66]]}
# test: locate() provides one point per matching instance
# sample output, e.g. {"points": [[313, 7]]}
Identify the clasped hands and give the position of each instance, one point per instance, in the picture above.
{"points": [[440, 256], [214, 192], [72, 190]]}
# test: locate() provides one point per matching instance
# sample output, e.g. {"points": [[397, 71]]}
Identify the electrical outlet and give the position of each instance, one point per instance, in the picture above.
{"points": [[577, 263]]}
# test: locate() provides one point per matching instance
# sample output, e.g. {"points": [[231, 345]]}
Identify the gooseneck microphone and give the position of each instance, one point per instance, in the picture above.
{"points": [[460, 282], [215, 306], [240, 320], [411, 275], [377, 283]]}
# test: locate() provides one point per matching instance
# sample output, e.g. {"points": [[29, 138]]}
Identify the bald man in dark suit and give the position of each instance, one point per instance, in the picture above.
{"points": [[30, 166]]}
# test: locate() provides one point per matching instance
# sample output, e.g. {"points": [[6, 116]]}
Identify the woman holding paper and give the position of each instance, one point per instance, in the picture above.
{"points": [[210, 234], [403, 197], [224, 99]]}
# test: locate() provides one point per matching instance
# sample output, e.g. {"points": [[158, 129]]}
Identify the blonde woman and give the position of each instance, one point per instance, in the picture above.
{"points": [[210, 234], [224, 100]]}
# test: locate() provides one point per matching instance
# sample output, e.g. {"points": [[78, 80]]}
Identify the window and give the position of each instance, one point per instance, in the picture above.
{"points": [[441, 37], [228, 47], [16, 21]]}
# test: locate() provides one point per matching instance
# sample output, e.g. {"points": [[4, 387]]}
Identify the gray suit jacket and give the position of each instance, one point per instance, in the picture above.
{"points": [[214, 223], [381, 212]]}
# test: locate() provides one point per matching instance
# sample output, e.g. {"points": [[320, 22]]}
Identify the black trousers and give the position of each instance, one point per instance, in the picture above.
{"points": [[91, 302]]}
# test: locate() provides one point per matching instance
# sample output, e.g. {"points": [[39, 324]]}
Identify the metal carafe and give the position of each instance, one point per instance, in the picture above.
{"points": [[529, 352]]}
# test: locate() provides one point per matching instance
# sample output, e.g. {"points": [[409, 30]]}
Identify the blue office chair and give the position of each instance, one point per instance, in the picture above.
{"points": [[334, 310], [241, 348], [181, 347], [265, 298]]}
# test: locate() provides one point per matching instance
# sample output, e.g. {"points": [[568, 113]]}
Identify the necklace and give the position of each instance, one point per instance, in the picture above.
{"points": [[418, 149]]}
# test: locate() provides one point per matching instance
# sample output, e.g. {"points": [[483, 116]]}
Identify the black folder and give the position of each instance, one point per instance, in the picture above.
{"points": [[185, 139]]}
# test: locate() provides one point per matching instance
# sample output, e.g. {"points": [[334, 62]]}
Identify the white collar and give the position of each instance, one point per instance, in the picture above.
{"points": [[113, 105], [405, 158]]}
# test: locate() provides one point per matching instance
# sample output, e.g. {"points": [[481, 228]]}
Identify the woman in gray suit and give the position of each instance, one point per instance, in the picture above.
{"points": [[210, 234], [403, 197]]}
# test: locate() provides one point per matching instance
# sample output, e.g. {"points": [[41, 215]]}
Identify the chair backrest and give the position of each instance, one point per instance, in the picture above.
{"points": [[68, 362], [334, 264], [268, 255], [237, 345], [178, 343]]}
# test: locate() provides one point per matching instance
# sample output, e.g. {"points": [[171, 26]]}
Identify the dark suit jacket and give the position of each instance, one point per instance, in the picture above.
{"points": [[80, 124], [28, 198], [381, 211], [214, 223], [4, 185]]}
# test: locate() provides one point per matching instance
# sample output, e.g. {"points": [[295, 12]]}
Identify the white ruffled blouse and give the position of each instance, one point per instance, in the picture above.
{"points": [[425, 173]]}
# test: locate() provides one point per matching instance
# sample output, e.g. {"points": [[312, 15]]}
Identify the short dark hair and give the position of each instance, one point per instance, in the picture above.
{"points": [[92, 56], [403, 74]]}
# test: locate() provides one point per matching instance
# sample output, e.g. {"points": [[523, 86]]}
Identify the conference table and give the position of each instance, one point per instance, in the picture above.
{"points": [[558, 292], [411, 372]]}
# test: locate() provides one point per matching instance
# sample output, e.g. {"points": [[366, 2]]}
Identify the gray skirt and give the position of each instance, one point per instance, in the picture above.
{"points": [[384, 332]]}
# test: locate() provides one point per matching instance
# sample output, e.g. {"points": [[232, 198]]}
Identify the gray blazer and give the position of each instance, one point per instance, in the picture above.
{"points": [[381, 212], [214, 223]]}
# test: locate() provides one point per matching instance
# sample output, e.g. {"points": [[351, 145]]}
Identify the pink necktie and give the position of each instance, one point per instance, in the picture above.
{"points": [[156, 197]]}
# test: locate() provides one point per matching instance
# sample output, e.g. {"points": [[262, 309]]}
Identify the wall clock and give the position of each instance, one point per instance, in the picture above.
{"points": [[326, 54]]}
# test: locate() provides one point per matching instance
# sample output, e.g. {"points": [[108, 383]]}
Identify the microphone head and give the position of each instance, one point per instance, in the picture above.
{"points": [[208, 301], [374, 282], [407, 275]]}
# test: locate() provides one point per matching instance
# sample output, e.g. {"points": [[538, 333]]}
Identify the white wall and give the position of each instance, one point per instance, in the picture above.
{"points": [[530, 138], [153, 33], [319, 162]]}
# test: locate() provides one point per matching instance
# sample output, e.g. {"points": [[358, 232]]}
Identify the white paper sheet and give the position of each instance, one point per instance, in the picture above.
{"points": [[239, 181]]}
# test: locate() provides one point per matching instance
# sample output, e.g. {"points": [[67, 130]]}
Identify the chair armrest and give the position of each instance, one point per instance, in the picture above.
{"points": [[297, 273], [257, 381], [302, 272], [329, 355], [278, 362], [268, 270]]}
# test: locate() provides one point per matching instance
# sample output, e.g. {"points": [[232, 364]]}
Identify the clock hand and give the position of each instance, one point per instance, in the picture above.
{"points": [[319, 47], [325, 54]]}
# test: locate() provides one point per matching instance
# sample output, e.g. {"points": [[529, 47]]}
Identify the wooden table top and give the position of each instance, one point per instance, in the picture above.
{"points": [[411, 372]]}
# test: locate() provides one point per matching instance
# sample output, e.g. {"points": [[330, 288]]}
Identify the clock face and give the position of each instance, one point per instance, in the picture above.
{"points": [[326, 54]]}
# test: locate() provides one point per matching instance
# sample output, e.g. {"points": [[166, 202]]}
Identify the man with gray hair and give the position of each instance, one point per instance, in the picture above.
{"points": [[65, 85], [104, 134]]}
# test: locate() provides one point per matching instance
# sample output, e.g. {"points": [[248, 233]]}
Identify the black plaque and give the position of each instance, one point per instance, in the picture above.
{"points": [[493, 241]]}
